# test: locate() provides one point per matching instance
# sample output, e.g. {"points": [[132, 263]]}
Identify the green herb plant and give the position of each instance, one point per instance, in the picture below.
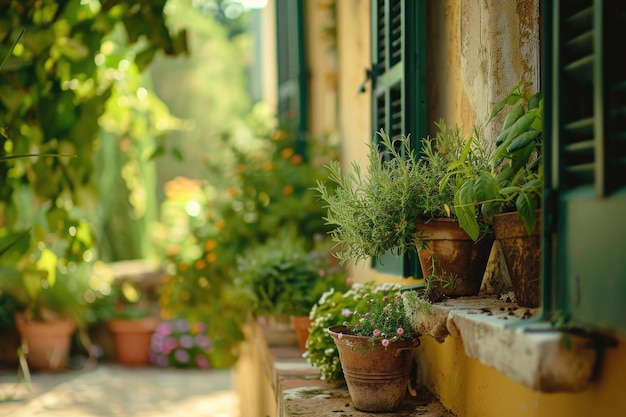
{"points": [[515, 180]]}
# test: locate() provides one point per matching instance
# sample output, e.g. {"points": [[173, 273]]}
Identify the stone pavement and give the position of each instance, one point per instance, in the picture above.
{"points": [[110, 390]]}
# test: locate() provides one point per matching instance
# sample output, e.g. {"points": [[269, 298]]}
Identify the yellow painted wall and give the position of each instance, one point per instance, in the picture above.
{"points": [[471, 389]]}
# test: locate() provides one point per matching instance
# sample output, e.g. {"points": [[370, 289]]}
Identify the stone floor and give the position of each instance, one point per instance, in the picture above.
{"points": [[110, 390]]}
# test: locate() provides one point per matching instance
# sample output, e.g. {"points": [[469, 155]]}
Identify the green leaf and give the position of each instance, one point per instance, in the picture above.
{"points": [[513, 116], [523, 140], [520, 158], [48, 262], [485, 188], [465, 209], [534, 100], [526, 206]]}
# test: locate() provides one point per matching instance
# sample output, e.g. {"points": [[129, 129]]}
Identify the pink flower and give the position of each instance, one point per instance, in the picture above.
{"points": [[350, 343], [349, 281], [340, 336], [376, 333], [385, 342], [385, 298], [400, 331]]}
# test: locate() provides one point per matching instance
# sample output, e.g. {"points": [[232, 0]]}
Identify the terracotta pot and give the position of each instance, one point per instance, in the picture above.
{"points": [[522, 254], [377, 377], [47, 342], [132, 340], [456, 255], [301, 325]]}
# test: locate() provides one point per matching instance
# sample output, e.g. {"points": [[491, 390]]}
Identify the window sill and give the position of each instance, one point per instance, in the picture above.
{"points": [[500, 335]]}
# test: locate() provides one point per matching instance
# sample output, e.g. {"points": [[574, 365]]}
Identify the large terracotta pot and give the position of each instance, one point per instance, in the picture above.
{"points": [[47, 342], [301, 325], [132, 340], [522, 254], [457, 258], [377, 377]]}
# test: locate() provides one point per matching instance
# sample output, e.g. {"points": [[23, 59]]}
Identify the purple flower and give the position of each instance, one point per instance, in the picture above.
{"points": [[182, 325], [169, 345], [186, 341], [181, 356], [203, 341], [164, 329], [385, 342]]}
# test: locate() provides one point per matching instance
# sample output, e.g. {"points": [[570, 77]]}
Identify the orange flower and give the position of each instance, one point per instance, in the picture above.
{"points": [[200, 265], [166, 314], [211, 257], [268, 166], [288, 189], [296, 159], [286, 153], [233, 191], [210, 244], [240, 169], [182, 267], [219, 225]]}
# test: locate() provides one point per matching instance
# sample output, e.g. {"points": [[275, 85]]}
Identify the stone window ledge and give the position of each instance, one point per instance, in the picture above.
{"points": [[498, 334]]}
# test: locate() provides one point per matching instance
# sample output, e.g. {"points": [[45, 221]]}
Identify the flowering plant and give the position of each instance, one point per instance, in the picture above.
{"points": [[383, 319], [350, 307], [181, 344]]}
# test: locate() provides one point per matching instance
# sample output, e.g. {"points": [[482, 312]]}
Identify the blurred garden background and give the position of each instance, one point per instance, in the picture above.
{"points": [[135, 131]]}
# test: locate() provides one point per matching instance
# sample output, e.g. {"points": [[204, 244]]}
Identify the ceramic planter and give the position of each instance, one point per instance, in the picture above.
{"points": [[377, 377], [456, 255], [522, 254]]}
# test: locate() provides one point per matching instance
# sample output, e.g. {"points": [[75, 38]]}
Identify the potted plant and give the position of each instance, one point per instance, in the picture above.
{"points": [[394, 204], [50, 305], [132, 323], [510, 193], [376, 345], [281, 279]]}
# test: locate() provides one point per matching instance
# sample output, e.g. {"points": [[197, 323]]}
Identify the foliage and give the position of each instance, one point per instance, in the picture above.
{"points": [[73, 292], [374, 211], [181, 343], [281, 278], [333, 308], [263, 187], [515, 180], [51, 97]]}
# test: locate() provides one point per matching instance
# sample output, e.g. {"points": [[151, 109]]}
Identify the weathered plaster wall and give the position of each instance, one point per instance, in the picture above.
{"points": [[478, 51], [321, 60]]}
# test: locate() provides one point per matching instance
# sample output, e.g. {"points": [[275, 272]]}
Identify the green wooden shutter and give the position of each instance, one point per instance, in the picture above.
{"points": [[399, 89], [585, 251], [292, 85]]}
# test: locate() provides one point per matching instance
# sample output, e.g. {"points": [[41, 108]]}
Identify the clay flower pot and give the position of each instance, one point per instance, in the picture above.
{"points": [[47, 342], [377, 376], [457, 257], [132, 339]]}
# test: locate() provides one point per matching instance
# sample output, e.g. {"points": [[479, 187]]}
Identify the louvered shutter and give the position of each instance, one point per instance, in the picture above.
{"points": [[585, 252], [399, 89]]}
